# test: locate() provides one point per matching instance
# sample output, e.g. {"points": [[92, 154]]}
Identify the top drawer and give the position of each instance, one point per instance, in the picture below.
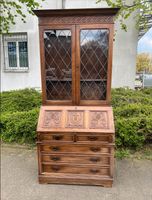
{"points": [[56, 137], [77, 137]]}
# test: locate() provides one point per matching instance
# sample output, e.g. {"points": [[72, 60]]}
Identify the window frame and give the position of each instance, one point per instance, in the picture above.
{"points": [[6, 40]]}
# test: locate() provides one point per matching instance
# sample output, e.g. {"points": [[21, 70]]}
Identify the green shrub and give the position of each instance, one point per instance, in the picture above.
{"points": [[127, 132], [20, 100], [122, 96], [132, 113], [19, 126]]}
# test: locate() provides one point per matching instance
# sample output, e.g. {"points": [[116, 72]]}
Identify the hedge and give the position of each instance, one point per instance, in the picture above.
{"points": [[132, 114]]}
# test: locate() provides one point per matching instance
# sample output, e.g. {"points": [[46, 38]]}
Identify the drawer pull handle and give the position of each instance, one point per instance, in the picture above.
{"points": [[57, 137], [55, 158], [55, 148], [92, 138], [94, 171], [55, 168], [95, 149], [94, 159]]}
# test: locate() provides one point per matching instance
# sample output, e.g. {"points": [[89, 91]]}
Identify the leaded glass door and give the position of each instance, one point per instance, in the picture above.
{"points": [[59, 64], [93, 63]]}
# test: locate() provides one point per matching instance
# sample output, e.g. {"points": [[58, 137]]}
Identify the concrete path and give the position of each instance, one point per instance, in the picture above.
{"points": [[133, 180]]}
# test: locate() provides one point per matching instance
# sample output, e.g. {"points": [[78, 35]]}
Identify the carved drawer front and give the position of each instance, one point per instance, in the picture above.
{"points": [[56, 137], [56, 158], [93, 149], [74, 169], [94, 138]]}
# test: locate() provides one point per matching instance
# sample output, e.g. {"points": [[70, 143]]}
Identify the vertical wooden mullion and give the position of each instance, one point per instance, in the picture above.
{"points": [[42, 59], [77, 65], [109, 72], [73, 56]]}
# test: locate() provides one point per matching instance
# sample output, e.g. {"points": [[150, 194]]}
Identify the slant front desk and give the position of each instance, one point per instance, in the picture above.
{"points": [[76, 127]]}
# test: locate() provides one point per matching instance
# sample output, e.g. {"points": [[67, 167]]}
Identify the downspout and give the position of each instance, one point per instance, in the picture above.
{"points": [[63, 4]]}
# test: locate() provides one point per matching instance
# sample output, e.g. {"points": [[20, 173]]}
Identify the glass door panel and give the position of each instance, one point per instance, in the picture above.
{"points": [[93, 63], [58, 64]]}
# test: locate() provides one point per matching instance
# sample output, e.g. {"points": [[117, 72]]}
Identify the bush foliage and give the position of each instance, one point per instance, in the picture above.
{"points": [[132, 113]]}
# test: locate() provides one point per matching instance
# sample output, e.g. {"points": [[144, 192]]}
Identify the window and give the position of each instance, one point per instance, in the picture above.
{"points": [[15, 52]]}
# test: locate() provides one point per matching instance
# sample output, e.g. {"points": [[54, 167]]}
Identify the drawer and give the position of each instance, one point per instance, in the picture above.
{"points": [[89, 149], [74, 169], [62, 158], [94, 137], [56, 137]]}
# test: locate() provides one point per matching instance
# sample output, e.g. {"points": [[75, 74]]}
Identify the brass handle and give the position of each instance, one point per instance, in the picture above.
{"points": [[55, 158], [94, 171], [55, 168], [94, 159], [57, 137], [95, 149], [55, 148], [75, 138], [92, 138]]}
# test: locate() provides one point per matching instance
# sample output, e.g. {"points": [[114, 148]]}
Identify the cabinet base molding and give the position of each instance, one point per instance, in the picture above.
{"points": [[75, 180]]}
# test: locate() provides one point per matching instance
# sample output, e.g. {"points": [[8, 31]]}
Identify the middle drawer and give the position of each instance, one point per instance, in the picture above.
{"points": [[74, 148], [78, 159]]}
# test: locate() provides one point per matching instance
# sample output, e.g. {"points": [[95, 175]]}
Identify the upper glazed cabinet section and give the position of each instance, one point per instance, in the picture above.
{"points": [[76, 55]]}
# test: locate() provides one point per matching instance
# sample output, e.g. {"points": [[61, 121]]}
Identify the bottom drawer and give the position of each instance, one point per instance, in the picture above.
{"points": [[74, 169]]}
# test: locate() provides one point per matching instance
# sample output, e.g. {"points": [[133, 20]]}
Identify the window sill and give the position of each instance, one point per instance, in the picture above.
{"points": [[16, 70]]}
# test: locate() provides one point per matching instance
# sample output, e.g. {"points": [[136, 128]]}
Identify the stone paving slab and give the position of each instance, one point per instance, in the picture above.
{"points": [[133, 180]]}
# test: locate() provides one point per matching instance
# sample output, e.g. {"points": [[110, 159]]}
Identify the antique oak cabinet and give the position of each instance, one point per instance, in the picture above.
{"points": [[75, 127]]}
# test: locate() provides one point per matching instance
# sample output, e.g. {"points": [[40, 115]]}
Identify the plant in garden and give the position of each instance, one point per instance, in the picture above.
{"points": [[11, 9], [141, 9], [144, 62]]}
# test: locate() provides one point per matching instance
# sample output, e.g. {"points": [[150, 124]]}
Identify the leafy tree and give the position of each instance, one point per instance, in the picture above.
{"points": [[144, 62], [11, 9], [141, 8]]}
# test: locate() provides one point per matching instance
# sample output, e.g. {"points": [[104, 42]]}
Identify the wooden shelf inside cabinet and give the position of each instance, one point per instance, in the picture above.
{"points": [[92, 80], [64, 80], [76, 128]]}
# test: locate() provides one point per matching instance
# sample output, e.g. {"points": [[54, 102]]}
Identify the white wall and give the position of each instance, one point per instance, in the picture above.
{"points": [[125, 46], [31, 78], [124, 50]]}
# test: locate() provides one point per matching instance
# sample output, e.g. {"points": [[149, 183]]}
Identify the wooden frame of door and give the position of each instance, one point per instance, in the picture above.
{"points": [[109, 71], [45, 101]]}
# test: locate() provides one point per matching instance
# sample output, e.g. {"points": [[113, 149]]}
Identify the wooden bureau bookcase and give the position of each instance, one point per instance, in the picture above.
{"points": [[76, 127]]}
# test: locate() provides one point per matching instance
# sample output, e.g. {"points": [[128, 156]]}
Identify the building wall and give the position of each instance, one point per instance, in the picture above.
{"points": [[124, 55]]}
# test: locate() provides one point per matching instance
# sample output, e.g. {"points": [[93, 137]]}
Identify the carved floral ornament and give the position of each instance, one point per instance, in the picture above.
{"points": [[76, 119], [52, 119]]}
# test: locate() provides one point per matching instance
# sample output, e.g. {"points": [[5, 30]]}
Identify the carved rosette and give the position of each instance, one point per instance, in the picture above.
{"points": [[75, 119], [52, 119], [98, 119]]}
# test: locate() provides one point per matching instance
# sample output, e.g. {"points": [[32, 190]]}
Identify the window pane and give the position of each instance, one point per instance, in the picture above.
{"points": [[23, 55], [12, 58], [57, 44], [94, 63]]}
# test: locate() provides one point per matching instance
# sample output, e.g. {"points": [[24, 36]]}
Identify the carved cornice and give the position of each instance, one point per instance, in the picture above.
{"points": [[103, 19]]}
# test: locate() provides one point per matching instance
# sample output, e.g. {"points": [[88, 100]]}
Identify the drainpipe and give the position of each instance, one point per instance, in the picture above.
{"points": [[63, 4]]}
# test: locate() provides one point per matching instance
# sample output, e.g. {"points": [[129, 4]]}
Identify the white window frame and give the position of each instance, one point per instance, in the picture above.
{"points": [[7, 68]]}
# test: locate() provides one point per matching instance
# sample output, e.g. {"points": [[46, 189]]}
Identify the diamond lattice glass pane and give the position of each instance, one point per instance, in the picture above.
{"points": [[57, 44], [94, 63]]}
